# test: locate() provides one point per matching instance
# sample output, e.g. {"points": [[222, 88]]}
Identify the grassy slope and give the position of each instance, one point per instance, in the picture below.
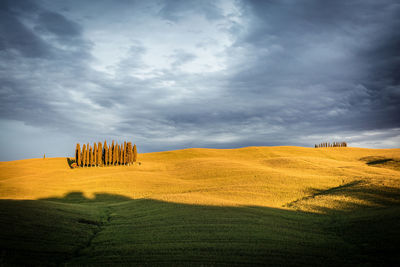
{"points": [[282, 205]]}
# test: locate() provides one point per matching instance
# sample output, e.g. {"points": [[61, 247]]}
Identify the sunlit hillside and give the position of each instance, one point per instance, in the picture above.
{"points": [[262, 176], [248, 206]]}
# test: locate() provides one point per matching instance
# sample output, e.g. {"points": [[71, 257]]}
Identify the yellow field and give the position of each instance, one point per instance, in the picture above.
{"points": [[283, 177]]}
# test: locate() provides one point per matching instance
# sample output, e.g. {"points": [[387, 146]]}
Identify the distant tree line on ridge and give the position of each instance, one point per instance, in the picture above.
{"points": [[100, 155], [334, 144]]}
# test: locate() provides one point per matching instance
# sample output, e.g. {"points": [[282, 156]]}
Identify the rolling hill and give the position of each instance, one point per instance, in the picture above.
{"points": [[248, 206]]}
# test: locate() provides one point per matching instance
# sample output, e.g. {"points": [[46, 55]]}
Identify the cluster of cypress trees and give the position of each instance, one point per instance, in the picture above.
{"points": [[334, 144], [103, 155]]}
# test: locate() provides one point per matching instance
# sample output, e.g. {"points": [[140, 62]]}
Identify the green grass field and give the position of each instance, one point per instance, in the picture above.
{"points": [[114, 230], [344, 224]]}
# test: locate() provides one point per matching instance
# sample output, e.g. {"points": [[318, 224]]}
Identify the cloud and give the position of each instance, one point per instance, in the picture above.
{"points": [[57, 24], [176, 10], [175, 74], [181, 57], [15, 37], [308, 58]]}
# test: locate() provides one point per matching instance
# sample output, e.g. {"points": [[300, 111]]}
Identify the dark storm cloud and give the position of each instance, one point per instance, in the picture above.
{"points": [[15, 35], [262, 73], [331, 63], [29, 59], [57, 24]]}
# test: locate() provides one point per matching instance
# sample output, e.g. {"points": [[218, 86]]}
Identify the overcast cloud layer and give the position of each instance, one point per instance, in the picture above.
{"points": [[177, 74]]}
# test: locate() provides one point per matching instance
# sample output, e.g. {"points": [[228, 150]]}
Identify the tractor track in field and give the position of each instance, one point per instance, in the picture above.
{"points": [[100, 226]]}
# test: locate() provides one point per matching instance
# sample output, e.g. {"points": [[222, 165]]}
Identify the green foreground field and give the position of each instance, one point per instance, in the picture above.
{"points": [[115, 230], [352, 222]]}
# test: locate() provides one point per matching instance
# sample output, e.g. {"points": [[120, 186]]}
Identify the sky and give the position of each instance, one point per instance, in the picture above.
{"points": [[177, 74]]}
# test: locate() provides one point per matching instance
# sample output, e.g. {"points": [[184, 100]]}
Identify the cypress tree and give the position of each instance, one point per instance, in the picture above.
{"points": [[93, 162], [83, 155], [109, 155], [96, 163], [120, 154], [78, 154], [105, 156], [94, 155], [125, 154], [129, 152], [90, 156], [134, 153], [94, 151], [100, 154], [114, 154], [87, 155]]}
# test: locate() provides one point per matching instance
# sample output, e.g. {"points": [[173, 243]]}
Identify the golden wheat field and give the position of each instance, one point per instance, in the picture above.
{"points": [[261, 176], [205, 207]]}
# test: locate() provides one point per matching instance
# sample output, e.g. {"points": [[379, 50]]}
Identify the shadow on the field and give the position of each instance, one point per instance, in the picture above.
{"points": [[79, 197], [111, 229], [70, 162], [378, 161], [353, 196]]}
